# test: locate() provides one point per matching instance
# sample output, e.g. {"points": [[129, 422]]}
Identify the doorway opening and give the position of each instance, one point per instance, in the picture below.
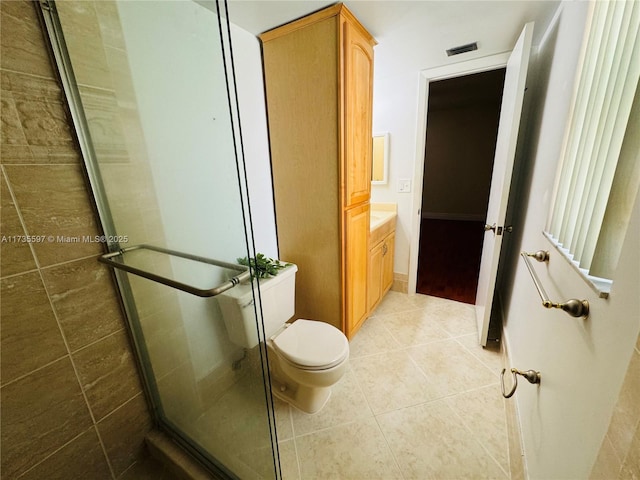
{"points": [[462, 126]]}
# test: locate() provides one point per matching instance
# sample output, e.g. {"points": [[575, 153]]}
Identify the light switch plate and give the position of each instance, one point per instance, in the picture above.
{"points": [[404, 185]]}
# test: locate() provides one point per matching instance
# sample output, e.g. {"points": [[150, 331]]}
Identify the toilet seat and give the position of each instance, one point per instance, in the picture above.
{"points": [[312, 345]]}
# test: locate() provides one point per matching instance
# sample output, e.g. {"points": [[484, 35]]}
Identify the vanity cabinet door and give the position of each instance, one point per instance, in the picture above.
{"points": [[387, 263], [375, 274], [380, 270], [358, 101]]}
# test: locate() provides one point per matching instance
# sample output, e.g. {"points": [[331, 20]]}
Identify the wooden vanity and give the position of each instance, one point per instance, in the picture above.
{"points": [[381, 250]]}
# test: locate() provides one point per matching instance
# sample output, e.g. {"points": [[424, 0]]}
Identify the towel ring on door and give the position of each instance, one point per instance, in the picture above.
{"points": [[531, 375]]}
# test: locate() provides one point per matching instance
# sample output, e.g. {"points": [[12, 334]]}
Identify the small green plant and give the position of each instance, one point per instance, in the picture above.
{"points": [[262, 266]]}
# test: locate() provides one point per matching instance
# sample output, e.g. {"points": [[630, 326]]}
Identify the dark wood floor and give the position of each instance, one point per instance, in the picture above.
{"points": [[449, 259]]}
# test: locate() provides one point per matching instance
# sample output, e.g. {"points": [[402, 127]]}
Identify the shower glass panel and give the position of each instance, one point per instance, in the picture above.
{"points": [[151, 87]]}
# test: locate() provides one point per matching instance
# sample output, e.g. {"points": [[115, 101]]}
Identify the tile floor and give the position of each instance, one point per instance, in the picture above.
{"points": [[420, 400]]}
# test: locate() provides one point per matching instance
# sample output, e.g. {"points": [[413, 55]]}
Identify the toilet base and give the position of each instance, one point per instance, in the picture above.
{"points": [[307, 399]]}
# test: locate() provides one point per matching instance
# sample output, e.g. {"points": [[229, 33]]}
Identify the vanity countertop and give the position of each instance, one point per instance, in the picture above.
{"points": [[378, 217], [383, 220]]}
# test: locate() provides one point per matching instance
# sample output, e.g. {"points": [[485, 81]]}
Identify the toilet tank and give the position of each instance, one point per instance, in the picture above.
{"points": [[277, 296]]}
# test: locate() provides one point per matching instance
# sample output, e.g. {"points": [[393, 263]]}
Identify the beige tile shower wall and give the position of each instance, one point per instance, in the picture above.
{"points": [[71, 398], [98, 52], [619, 456]]}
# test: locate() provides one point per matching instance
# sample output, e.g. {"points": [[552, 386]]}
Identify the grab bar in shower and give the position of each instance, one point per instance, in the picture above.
{"points": [[574, 307], [110, 259]]}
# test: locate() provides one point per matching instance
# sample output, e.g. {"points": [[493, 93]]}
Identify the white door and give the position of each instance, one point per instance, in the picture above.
{"points": [[512, 97]]}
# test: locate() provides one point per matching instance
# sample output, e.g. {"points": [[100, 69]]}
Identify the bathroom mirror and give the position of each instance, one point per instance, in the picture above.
{"points": [[380, 159]]}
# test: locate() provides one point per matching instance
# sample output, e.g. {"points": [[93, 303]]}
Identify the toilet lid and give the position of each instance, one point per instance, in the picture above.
{"points": [[312, 344]]}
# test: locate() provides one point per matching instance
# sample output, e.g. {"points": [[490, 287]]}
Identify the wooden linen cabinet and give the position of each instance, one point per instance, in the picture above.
{"points": [[318, 74]]}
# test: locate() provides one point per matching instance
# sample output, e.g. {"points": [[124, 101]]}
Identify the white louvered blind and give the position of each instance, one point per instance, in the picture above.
{"points": [[603, 99]]}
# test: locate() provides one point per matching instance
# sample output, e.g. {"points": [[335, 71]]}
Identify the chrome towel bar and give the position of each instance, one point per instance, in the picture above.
{"points": [[110, 259], [574, 307]]}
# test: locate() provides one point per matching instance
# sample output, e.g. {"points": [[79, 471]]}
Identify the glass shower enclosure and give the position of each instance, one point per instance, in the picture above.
{"points": [[150, 85]]}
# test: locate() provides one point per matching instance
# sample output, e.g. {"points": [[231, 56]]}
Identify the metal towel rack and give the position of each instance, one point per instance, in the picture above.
{"points": [[574, 307], [110, 259]]}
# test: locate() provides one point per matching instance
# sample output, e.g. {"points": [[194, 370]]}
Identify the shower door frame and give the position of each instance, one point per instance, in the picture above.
{"points": [[51, 25]]}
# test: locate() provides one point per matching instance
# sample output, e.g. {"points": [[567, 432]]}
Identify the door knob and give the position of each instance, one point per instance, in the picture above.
{"points": [[488, 227]]}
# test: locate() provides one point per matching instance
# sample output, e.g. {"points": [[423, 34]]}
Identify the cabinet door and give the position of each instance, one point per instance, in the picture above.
{"points": [[375, 274], [356, 259], [387, 263], [358, 101]]}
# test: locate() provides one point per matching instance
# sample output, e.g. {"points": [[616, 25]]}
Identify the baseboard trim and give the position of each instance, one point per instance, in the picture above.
{"points": [[400, 283], [517, 460], [465, 217]]}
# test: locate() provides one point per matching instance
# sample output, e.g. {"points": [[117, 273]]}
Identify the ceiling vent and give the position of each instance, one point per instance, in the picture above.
{"points": [[469, 47]]}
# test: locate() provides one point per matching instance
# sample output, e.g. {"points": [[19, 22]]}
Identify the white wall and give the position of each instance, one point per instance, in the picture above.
{"points": [[582, 362], [253, 119], [395, 110]]}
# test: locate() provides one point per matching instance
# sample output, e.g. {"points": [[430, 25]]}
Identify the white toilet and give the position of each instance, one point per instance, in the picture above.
{"points": [[306, 357]]}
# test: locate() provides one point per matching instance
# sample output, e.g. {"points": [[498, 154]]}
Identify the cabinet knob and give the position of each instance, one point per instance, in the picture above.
{"points": [[384, 249]]}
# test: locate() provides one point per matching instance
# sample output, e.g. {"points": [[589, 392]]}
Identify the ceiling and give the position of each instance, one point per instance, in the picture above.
{"points": [[417, 32]]}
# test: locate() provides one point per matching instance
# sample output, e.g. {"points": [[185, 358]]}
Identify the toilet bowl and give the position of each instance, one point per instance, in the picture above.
{"points": [[306, 357]]}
